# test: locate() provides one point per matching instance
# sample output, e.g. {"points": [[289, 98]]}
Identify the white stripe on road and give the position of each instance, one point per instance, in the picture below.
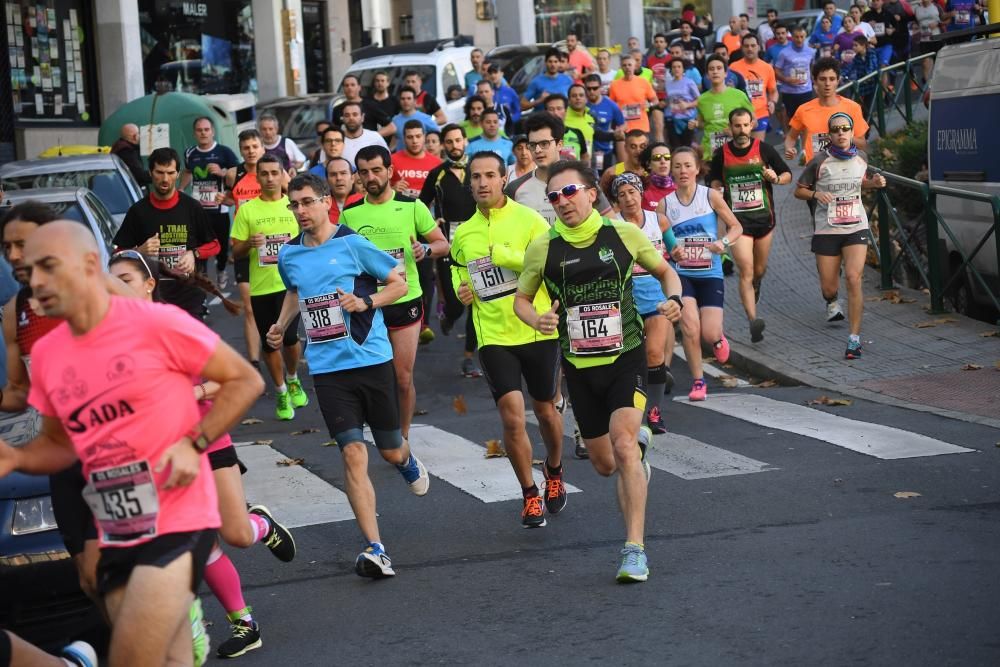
{"points": [[688, 458], [884, 442], [294, 495], [709, 369], [463, 463]]}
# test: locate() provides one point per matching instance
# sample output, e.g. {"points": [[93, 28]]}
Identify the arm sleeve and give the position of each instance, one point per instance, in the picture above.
{"points": [[423, 221], [669, 239], [427, 192], [773, 159], [534, 263]]}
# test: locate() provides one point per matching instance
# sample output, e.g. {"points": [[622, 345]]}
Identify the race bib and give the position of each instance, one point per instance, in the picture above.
{"points": [[676, 105], [755, 88], [747, 196], [171, 254], [323, 318], [205, 192], [124, 502], [695, 255], [844, 211], [267, 255], [879, 29], [639, 269], [820, 142], [963, 16], [595, 328], [659, 76], [399, 255], [491, 282], [800, 76], [632, 111], [718, 139]]}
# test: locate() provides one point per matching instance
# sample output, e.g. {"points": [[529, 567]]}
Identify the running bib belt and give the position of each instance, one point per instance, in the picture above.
{"points": [[491, 282], [323, 318], [595, 328], [171, 254], [267, 255], [124, 502]]}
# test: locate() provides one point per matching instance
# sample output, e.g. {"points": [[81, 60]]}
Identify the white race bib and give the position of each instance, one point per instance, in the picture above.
{"points": [[800, 76], [755, 88], [748, 196], [638, 269], [879, 29], [844, 211], [205, 192], [124, 502], [267, 255], [491, 282], [820, 142], [718, 139], [171, 254], [595, 328], [632, 111], [695, 255], [323, 318]]}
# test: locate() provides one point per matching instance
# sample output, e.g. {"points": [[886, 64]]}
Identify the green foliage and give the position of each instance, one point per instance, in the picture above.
{"points": [[904, 153]]}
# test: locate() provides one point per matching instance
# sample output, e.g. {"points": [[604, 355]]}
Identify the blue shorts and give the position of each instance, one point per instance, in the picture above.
{"points": [[648, 293], [708, 292], [884, 54], [763, 124]]}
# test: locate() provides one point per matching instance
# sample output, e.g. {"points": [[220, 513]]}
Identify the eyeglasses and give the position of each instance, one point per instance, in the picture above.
{"points": [[132, 254], [660, 156], [543, 144], [593, 87], [567, 191], [841, 128], [306, 202]]}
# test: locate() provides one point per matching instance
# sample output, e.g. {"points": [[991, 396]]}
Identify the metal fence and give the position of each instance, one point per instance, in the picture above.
{"points": [[898, 89]]}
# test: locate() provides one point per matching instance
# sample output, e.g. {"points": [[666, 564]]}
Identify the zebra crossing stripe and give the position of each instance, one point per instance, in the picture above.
{"points": [[883, 442], [688, 458]]}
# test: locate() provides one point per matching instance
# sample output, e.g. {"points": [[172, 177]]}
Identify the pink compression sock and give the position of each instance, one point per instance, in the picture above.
{"points": [[260, 527], [222, 577]]}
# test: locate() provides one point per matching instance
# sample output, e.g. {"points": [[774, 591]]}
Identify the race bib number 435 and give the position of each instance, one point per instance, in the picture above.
{"points": [[124, 502]]}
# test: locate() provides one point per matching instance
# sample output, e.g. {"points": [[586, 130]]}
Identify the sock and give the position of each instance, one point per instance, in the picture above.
{"points": [[294, 377], [553, 472], [377, 546], [224, 581], [281, 389], [260, 527], [404, 465], [529, 491], [831, 299], [636, 544], [657, 386], [855, 338]]}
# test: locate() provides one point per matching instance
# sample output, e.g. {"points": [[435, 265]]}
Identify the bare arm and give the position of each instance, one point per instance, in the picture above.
{"points": [[186, 178], [733, 227], [15, 393], [50, 452], [239, 386], [388, 131], [790, 150]]}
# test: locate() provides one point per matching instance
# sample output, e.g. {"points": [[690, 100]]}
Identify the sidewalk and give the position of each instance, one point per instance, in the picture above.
{"points": [[903, 364]]}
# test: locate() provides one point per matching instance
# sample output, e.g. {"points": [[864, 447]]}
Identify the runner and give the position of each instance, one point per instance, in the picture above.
{"points": [[156, 520], [762, 87], [488, 253], [425, 101], [636, 142], [356, 136], [392, 223], [173, 227], [791, 69], [292, 159], [715, 105], [600, 333], [659, 334], [657, 184], [332, 275], [524, 163], [811, 119], [261, 227], [633, 95], [205, 168], [491, 139], [694, 213], [332, 143], [374, 114], [544, 84], [682, 103], [832, 183], [608, 123], [747, 168], [411, 164], [242, 525], [340, 180], [574, 139]]}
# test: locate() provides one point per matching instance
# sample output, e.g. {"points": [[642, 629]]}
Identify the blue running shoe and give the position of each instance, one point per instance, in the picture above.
{"points": [[633, 567], [81, 654], [374, 562], [415, 475]]}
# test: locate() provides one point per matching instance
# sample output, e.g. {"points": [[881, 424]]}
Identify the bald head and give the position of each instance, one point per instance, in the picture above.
{"points": [[130, 132], [66, 269]]}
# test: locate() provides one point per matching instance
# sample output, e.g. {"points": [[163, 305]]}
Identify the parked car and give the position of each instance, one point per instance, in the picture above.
{"points": [[78, 204], [520, 63], [105, 175], [297, 116]]}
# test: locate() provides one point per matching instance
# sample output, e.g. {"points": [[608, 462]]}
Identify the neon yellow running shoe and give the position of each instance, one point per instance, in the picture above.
{"points": [[201, 643]]}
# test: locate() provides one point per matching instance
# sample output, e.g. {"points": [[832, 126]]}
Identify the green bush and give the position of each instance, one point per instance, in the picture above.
{"points": [[904, 153]]}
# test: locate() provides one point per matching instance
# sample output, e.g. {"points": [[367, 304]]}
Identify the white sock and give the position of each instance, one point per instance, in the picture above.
{"points": [[281, 389], [294, 377], [855, 338]]}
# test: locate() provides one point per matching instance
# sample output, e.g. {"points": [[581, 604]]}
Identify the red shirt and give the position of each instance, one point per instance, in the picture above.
{"points": [[412, 170], [335, 210]]}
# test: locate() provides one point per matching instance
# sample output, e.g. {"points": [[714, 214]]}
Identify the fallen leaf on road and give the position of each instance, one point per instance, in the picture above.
{"points": [[459, 405], [893, 296], [305, 430], [826, 400], [267, 443], [729, 381], [330, 443], [291, 462], [536, 462], [766, 384], [933, 323], [971, 367], [494, 449], [250, 421], [990, 334], [906, 494], [419, 413], [838, 481]]}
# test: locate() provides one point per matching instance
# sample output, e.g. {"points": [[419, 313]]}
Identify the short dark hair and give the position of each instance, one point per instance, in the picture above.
{"points": [[164, 157], [579, 166], [406, 89], [451, 127], [270, 157], [829, 2], [360, 107], [371, 152], [715, 58], [350, 76], [29, 211], [575, 85], [413, 72], [800, 27], [556, 96], [685, 22], [540, 120], [430, 132], [308, 180], [635, 132], [201, 118], [572, 32], [553, 52], [824, 64], [330, 129], [861, 39], [719, 45], [660, 34], [413, 125], [350, 165], [490, 112], [470, 100], [740, 111], [484, 82], [592, 78], [747, 16], [247, 135], [676, 60], [771, 10], [483, 155], [749, 35]]}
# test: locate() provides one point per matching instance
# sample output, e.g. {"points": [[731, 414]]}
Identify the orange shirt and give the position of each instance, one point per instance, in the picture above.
{"points": [[732, 42], [812, 120], [633, 96], [760, 81], [579, 59]]}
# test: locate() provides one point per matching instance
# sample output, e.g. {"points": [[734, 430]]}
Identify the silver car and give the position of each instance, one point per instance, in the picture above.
{"points": [[105, 175]]}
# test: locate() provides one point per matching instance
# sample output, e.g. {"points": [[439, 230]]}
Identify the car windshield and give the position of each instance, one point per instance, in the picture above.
{"points": [[396, 75], [107, 184]]}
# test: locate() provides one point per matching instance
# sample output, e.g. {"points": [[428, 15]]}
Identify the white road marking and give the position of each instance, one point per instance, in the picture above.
{"points": [[294, 495], [883, 442], [688, 458], [711, 370], [463, 463]]}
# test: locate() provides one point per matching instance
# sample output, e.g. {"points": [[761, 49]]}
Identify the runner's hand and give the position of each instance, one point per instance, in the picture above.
{"points": [[215, 170], [274, 336], [184, 461], [186, 263], [151, 247], [677, 254], [401, 185], [464, 293], [549, 320], [258, 240], [878, 181], [349, 302], [791, 153], [8, 459], [417, 248], [824, 197], [771, 175], [716, 247], [692, 124], [220, 197], [669, 309]]}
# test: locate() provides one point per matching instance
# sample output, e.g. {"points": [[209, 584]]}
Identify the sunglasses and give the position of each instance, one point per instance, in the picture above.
{"points": [[132, 254], [841, 128], [660, 156], [593, 87], [567, 191]]}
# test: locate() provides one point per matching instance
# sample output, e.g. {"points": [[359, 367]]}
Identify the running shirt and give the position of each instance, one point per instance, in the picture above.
{"points": [[502, 146], [205, 186], [30, 326], [760, 81], [338, 340], [741, 171], [695, 226], [278, 225], [659, 64], [652, 194], [794, 63], [451, 195], [245, 186], [122, 392], [606, 79], [812, 120], [287, 151], [543, 83], [391, 227], [841, 178], [400, 120], [413, 170], [714, 110], [488, 254], [598, 320], [680, 91], [647, 289], [607, 116], [633, 96]]}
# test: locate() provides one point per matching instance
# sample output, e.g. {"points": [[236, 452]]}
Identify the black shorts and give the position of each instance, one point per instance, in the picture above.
{"points": [[830, 245], [266, 310], [756, 230], [73, 515], [598, 391], [538, 363], [351, 398], [116, 563], [225, 458], [708, 292], [402, 315], [241, 267], [793, 101]]}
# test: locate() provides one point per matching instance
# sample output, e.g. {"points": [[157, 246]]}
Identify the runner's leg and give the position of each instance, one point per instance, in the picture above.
{"points": [[291, 354], [632, 483], [249, 325], [691, 329], [854, 265], [515, 437], [711, 324], [761, 252], [359, 489], [655, 329], [404, 355], [550, 423], [16, 652], [828, 267], [743, 254]]}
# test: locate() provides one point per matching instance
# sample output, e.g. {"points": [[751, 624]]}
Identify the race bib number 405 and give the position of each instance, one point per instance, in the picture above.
{"points": [[491, 282], [323, 318], [124, 502], [595, 328]]}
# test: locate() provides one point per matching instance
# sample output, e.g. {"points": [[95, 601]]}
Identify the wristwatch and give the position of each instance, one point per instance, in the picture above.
{"points": [[677, 298], [368, 301], [427, 250], [726, 242], [199, 440]]}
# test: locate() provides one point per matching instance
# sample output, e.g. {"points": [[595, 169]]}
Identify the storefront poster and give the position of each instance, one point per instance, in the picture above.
{"points": [[58, 105], [39, 106]]}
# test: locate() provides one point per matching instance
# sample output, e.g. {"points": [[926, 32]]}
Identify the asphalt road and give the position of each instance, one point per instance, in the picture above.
{"points": [[809, 560]]}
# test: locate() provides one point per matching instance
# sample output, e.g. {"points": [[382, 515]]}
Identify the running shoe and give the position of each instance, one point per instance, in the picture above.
{"points": [[555, 492], [374, 562], [645, 437], [201, 644], [756, 291], [580, 451], [561, 405], [446, 325], [655, 420], [300, 398], [634, 566], [469, 369], [853, 349], [283, 409], [223, 282], [698, 391], [670, 381], [721, 349], [727, 265], [531, 515], [245, 637], [833, 311], [756, 330], [415, 475], [279, 539], [80, 653], [426, 335]]}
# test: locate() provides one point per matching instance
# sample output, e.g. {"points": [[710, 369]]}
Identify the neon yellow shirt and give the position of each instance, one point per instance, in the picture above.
{"points": [[583, 121], [278, 225]]}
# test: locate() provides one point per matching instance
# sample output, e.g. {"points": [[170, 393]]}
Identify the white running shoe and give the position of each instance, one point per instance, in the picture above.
{"points": [[834, 312]]}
